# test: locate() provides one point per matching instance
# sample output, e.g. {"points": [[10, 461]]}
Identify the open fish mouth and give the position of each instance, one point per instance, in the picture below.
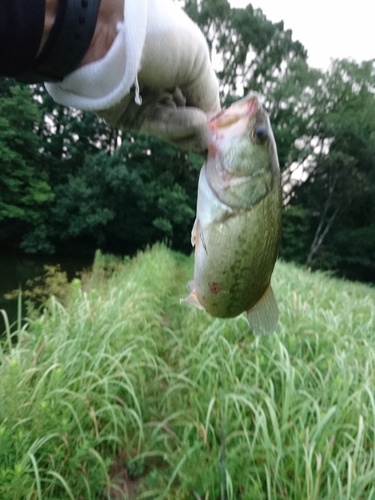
{"points": [[235, 120], [244, 121]]}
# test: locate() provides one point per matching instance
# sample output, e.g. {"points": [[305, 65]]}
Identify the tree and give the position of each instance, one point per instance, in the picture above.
{"points": [[340, 187], [68, 135], [249, 51], [24, 188], [143, 192], [296, 115]]}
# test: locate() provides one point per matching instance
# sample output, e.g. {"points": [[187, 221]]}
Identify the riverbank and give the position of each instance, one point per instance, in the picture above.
{"points": [[17, 268], [121, 390]]}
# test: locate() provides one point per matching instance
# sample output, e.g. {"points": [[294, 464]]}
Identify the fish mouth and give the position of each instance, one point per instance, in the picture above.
{"points": [[235, 121]]}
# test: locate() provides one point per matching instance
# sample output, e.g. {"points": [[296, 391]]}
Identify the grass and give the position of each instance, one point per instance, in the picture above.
{"points": [[121, 388]]}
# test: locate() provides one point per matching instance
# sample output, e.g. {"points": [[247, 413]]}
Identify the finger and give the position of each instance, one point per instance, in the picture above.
{"points": [[186, 128], [178, 97]]}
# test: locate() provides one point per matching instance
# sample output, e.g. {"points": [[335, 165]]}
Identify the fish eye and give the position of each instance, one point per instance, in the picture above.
{"points": [[260, 132]]}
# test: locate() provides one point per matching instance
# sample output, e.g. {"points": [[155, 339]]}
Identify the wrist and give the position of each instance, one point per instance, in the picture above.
{"points": [[66, 31], [111, 12], [49, 19]]}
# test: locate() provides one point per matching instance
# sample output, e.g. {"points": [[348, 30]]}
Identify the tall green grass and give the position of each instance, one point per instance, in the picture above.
{"points": [[126, 374]]}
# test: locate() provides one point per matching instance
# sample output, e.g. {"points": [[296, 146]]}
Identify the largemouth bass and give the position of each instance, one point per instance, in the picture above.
{"points": [[237, 229]]}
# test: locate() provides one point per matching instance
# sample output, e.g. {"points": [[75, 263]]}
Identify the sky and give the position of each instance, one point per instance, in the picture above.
{"points": [[327, 28]]}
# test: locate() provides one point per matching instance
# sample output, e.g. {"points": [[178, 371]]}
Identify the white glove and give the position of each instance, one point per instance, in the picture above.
{"points": [[162, 114], [175, 54], [175, 72], [162, 49]]}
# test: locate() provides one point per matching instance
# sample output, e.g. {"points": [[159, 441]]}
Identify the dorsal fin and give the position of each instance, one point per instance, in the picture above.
{"points": [[264, 315]]}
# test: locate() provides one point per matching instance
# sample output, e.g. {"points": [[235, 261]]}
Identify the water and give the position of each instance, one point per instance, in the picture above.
{"points": [[16, 269]]}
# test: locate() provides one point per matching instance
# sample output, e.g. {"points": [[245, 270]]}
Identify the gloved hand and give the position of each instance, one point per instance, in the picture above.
{"points": [[164, 115], [177, 83]]}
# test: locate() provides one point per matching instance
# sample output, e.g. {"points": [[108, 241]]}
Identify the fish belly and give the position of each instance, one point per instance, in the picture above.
{"points": [[235, 257]]}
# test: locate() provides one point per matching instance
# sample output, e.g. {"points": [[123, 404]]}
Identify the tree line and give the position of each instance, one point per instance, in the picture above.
{"points": [[70, 183]]}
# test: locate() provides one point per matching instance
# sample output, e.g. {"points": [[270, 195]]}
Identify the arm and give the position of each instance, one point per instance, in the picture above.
{"points": [[146, 49]]}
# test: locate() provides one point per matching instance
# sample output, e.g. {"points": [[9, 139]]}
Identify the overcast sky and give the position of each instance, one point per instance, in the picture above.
{"points": [[327, 28]]}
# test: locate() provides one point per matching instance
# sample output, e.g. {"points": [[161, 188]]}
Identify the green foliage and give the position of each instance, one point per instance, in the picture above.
{"points": [[144, 192], [252, 50], [355, 260], [24, 189], [105, 265], [296, 234], [296, 119], [125, 375], [39, 290], [103, 187], [71, 183], [69, 135], [339, 189]]}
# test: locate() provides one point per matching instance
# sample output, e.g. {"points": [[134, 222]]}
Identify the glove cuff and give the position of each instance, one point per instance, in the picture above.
{"points": [[101, 84]]}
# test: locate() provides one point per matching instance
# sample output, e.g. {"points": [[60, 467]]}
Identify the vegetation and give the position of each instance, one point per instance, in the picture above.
{"points": [[113, 390], [122, 389], [70, 182], [340, 172]]}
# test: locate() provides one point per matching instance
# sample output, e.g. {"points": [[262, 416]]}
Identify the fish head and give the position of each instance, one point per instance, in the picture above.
{"points": [[242, 164]]}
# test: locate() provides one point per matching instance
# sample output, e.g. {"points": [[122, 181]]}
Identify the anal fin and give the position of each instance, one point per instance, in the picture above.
{"points": [[263, 317]]}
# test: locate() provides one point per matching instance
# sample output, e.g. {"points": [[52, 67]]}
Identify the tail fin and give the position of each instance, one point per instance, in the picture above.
{"points": [[263, 317]]}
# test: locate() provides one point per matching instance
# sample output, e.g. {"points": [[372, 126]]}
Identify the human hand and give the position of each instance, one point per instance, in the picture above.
{"points": [[147, 48], [175, 54], [163, 114], [177, 83]]}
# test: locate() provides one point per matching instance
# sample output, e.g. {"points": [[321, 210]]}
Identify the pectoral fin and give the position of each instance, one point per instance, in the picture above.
{"points": [[264, 315], [195, 233]]}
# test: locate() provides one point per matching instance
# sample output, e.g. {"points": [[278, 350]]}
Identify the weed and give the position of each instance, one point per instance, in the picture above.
{"points": [[123, 370]]}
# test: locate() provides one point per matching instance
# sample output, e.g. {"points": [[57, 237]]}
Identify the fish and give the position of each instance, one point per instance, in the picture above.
{"points": [[237, 230]]}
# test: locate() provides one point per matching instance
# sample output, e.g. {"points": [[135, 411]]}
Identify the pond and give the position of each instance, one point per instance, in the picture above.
{"points": [[17, 268]]}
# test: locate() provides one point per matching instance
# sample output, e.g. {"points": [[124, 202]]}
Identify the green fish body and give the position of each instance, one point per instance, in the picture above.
{"points": [[237, 230]]}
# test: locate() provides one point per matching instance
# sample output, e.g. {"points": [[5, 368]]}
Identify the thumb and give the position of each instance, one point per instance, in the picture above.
{"points": [[184, 127]]}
